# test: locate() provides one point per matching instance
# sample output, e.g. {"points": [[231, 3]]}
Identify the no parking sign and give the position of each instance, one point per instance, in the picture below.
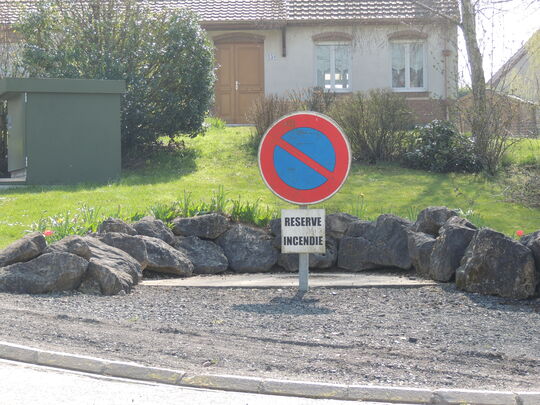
{"points": [[304, 158]]}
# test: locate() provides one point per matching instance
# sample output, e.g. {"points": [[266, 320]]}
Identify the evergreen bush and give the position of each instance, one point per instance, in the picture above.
{"points": [[439, 147], [165, 58]]}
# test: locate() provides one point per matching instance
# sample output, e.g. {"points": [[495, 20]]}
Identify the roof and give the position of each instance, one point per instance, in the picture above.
{"points": [[521, 53], [301, 11], [520, 75]]}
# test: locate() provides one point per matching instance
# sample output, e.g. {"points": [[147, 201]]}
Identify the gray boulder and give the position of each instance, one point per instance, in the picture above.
{"points": [[317, 261], [276, 242], [208, 226], [275, 226], [532, 241], [110, 270], [248, 250], [155, 228], [116, 225], [275, 229], [420, 247], [454, 237], [495, 264], [132, 245], [50, 272], [24, 249], [206, 256], [431, 219], [359, 228], [73, 244], [163, 258], [337, 224], [384, 244]]}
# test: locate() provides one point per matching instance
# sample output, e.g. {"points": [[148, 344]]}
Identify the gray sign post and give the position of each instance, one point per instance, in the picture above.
{"points": [[304, 158], [303, 232]]}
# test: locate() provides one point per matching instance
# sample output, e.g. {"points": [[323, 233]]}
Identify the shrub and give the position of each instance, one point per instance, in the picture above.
{"points": [[439, 147], [312, 99], [267, 110], [376, 124], [165, 58], [523, 186]]}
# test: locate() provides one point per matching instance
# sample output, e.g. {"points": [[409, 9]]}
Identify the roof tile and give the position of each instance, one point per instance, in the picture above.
{"points": [[215, 11]]}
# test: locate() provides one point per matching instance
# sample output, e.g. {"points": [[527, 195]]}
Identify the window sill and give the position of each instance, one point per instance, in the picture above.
{"points": [[419, 90], [339, 91]]}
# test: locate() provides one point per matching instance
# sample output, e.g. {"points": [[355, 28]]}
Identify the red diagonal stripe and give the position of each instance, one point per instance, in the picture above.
{"points": [[301, 156]]}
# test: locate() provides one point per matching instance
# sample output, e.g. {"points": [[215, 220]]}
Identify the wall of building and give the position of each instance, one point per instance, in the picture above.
{"points": [[371, 61]]}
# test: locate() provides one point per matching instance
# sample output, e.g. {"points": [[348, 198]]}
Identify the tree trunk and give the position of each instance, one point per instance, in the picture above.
{"points": [[479, 121]]}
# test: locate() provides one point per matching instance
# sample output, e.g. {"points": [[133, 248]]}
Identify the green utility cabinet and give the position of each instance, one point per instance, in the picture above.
{"points": [[63, 131]]}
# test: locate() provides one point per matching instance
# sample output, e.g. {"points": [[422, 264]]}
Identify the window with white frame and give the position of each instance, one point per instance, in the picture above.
{"points": [[333, 66], [408, 65]]}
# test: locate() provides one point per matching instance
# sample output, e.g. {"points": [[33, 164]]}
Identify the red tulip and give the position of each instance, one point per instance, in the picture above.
{"points": [[48, 232], [520, 233]]}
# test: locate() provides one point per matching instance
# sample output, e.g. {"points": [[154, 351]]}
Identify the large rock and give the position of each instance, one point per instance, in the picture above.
{"points": [[337, 224], [163, 258], [532, 241], [116, 225], [50, 272], [384, 244], [208, 226], [275, 226], [497, 265], [420, 247], [110, 270], [132, 245], [24, 249], [431, 219], [207, 257], [73, 244], [317, 261], [454, 237], [359, 228], [248, 250], [155, 228]]}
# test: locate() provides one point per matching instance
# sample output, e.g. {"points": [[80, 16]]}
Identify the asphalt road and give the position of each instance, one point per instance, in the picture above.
{"points": [[22, 384]]}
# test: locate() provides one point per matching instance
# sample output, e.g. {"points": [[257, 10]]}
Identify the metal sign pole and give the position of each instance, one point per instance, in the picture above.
{"points": [[303, 267]]}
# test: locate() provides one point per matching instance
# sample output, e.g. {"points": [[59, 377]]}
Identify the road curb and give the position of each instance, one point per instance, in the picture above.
{"points": [[94, 365]]}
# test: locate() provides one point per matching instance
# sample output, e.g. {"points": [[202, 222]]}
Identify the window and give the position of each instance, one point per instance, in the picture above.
{"points": [[333, 64], [408, 66]]}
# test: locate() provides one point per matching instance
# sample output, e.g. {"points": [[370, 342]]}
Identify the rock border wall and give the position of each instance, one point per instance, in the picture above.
{"points": [[440, 246]]}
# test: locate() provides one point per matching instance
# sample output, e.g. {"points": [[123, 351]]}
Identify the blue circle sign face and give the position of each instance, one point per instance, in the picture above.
{"points": [[295, 172], [304, 158]]}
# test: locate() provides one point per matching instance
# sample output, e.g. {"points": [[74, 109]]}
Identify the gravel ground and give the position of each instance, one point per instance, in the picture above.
{"points": [[433, 337]]}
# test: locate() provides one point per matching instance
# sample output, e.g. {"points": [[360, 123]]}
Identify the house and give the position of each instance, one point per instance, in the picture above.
{"points": [[520, 75], [519, 117], [519, 80], [274, 46]]}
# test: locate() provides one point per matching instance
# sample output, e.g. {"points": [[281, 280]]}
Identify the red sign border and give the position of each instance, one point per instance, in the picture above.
{"points": [[316, 121]]}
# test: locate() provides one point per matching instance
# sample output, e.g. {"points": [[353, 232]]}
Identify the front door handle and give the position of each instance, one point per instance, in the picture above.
{"points": [[236, 85]]}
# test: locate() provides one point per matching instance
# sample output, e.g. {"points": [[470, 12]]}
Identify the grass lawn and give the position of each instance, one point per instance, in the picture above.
{"points": [[220, 158], [524, 152]]}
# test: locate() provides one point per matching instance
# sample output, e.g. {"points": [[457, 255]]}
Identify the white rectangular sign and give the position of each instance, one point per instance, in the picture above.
{"points": [[302, 231]]}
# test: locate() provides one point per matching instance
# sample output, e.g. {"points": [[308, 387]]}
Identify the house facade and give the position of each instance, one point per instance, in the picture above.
{"points": [[518, 80], [273, 47], [268, 47]]}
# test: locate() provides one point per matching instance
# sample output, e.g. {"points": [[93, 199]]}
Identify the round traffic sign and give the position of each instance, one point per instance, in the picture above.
{"points": [[304, 158]]}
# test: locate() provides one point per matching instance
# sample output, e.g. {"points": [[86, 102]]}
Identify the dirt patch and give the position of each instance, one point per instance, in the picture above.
{"points": [[431, 336]]}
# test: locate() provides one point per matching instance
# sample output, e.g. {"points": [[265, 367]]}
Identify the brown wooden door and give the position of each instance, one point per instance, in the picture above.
{"points": [[240, 80]]}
